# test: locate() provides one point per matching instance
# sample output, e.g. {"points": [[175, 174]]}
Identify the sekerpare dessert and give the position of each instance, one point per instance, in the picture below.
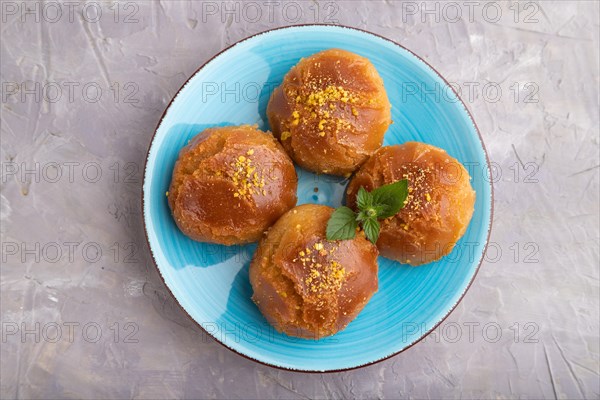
{"points": [[331, 112], [305, 285], [438, 208], [230, 184]]}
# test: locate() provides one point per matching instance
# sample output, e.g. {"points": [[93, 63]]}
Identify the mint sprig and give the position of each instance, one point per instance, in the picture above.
{"points": [[380, 203]]}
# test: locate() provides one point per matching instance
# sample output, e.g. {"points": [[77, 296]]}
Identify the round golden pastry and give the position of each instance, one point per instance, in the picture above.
{"points": [[331, 112], [438, 208], [305, 285], [230, 184]]}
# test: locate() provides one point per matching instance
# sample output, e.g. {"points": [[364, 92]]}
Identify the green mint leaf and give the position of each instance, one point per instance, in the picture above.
{"points": [[342, 224], [371, 228], [389, 199], [361, 216], [368, 213], [364, 199], [383, 202], [379, 209]]}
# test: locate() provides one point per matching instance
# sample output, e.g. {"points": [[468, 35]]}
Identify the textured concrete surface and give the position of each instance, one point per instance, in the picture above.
{"points": [[84, 312]]}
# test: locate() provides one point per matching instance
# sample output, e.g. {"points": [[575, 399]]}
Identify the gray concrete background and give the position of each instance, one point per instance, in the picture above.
{"points": [[84, 312]]}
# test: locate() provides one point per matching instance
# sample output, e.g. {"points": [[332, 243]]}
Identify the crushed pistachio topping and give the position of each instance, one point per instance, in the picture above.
{"points": [[323, 274], [246, 178], [419, 191], [316, 106], [285, 135], [329, 94], [296, 118]]}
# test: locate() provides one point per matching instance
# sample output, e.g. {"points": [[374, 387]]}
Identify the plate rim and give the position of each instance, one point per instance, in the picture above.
{"points": [[308, 371]]}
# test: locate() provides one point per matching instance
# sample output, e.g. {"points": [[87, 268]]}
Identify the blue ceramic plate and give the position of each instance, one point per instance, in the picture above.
{"points": [[211, 282]]}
